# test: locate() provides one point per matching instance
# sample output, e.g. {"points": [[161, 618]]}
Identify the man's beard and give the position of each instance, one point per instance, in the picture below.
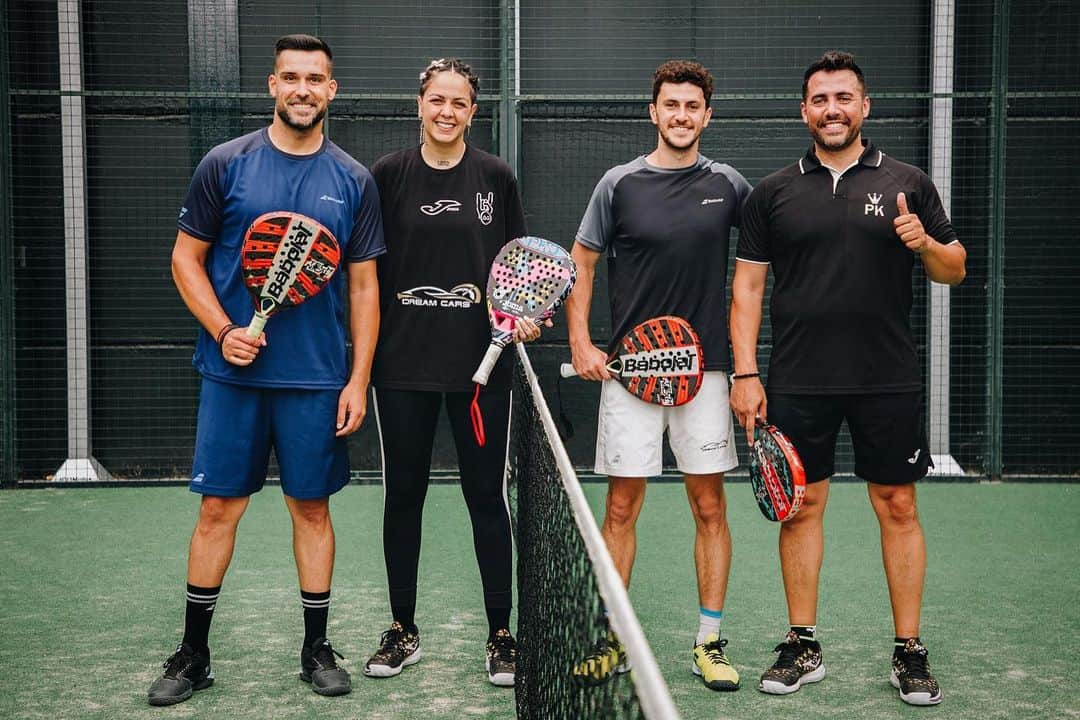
{"points": [[283, 113]]}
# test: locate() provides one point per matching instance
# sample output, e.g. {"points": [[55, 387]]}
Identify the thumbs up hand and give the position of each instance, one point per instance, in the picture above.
{"points": [[909, 228]]}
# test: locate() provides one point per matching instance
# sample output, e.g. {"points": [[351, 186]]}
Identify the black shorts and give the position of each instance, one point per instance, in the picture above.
{"points": [[887, 432]]}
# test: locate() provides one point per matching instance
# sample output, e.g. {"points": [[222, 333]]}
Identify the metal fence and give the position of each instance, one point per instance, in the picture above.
{"points": [[108, 104]]}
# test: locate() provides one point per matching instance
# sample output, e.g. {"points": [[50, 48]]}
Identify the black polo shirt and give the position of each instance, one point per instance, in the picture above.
{"points": [[841, 299]]}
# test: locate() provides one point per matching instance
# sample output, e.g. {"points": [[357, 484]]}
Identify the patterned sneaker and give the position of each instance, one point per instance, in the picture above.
{"points": [[397, 649], [318, 667], [911, 675], [185, 672], [501, 661], [606, 659], [713, 666], [797, 665]]}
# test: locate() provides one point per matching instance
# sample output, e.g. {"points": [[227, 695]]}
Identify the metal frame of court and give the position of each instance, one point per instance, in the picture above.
{"points": [[215, 85]]}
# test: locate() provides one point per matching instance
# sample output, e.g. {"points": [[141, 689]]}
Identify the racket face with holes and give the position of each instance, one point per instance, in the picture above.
{"points": [[660, 361], [287, 258], [530, 278], [776, 474]]}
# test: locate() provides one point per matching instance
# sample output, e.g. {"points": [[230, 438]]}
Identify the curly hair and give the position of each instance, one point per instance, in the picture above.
{"points": [[683, 71]]}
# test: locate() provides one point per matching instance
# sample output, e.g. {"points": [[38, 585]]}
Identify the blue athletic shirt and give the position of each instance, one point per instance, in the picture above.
{"points": [[237, 182]]}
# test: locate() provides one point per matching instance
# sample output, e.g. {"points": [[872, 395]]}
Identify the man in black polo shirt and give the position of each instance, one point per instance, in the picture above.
{"points": [[841, 229]]}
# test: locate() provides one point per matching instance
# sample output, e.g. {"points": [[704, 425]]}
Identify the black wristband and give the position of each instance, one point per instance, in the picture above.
{"points": [[225, 331], [744, 376]]}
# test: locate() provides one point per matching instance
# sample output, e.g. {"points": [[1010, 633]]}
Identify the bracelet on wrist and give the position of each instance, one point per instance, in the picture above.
{"points": [[225, 331], [744, 376]]}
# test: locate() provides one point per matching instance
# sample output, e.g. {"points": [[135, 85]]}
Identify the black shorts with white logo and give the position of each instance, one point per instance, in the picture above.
{"points": [[887, 433]]}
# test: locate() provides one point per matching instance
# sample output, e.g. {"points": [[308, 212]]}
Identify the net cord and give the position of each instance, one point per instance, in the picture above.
{"points": [[652, 691]]}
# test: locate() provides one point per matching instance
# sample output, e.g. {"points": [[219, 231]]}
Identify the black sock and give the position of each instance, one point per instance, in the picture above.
{"points": [[316, 609], [405, 615], [200, 611], [805, 633], [498, 619]]}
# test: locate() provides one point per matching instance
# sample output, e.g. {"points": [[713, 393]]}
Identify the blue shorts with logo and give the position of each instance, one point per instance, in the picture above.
{"points": [[239, 425]]}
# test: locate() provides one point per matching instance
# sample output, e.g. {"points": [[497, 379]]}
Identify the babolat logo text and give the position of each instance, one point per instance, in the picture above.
{"points": [[660, 363], [288, 260]]}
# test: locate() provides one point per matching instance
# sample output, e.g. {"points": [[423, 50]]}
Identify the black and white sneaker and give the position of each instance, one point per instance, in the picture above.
{"points": [[501, 662], [799, 663], [911, 675], [185, 672], [398, 648], [318, 667]]}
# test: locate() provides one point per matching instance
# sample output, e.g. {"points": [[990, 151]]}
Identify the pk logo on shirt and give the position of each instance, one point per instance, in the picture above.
{"points": [[485, 207], [872, 207]]}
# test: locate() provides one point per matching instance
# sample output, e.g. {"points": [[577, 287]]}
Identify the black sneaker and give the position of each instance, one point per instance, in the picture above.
{"points": [[185, 672], [911, 675], [318, 667], [398, 648], [501, 662], [799, 663]]}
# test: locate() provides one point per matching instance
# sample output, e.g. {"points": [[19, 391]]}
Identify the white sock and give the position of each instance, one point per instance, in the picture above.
{"points": [[708, 623]]}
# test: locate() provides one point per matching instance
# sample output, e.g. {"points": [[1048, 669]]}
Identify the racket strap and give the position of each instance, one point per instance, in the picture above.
{"points": [[477, 417]]}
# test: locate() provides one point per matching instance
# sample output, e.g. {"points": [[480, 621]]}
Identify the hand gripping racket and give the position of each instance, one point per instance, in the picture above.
{"points": [[776, 474], [287, 258], [659, 361], [529, 279]]}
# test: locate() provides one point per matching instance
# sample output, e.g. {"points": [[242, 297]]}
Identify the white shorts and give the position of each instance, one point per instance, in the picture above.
{"points": [[630, 432]]}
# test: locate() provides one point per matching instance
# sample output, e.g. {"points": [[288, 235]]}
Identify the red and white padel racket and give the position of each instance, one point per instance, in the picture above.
{"points": [[659, 360], [287, 258], [776, 473], [529, 279]]}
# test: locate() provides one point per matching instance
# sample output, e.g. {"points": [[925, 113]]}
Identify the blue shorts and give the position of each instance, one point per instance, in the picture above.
{"points": [[238, 425]]}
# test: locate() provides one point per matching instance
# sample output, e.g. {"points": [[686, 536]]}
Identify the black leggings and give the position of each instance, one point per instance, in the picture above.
{"points": [[407, 420]]}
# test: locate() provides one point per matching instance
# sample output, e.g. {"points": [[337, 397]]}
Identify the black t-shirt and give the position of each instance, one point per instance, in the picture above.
{"points": [[667, 234], [443, 229], [841, 299]]}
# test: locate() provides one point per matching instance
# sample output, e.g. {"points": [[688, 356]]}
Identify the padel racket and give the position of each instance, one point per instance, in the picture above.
{"points": [[529, 279], [659, 361], [287, 258], [776, 474]]}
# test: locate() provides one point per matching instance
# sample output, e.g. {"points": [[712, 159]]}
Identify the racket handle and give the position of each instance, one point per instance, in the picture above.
{"points": [[254, 330], [487, 364], [567, 370]]}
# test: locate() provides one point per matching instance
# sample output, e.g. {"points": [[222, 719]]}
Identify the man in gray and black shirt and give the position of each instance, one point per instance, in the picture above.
{"points": [[664, 220]]}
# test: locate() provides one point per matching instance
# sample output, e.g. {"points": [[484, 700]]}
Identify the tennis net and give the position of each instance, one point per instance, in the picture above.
{"points": [[573, 611]]}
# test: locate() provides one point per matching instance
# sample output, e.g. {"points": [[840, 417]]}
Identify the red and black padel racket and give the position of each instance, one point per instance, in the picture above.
{"points": [[776, 474], [659, 361], [287, 258]]}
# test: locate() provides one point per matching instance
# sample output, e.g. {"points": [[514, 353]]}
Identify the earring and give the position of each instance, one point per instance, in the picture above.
{"points": [[421, 119]]}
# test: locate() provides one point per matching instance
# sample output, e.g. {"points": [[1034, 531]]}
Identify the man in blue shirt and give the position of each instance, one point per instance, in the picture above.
{"points": [[291, 389]]}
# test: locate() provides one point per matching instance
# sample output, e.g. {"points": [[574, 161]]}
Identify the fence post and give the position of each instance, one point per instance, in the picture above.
{"points": [[509, 83], [995, 279], [7, 270]]}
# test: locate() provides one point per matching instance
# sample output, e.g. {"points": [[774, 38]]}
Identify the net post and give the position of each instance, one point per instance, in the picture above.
{"points": [[938, 326], [7, 271], [80, 465]]}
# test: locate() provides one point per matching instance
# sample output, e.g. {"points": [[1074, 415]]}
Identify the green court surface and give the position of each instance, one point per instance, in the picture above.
{"points": [[92, 599]]}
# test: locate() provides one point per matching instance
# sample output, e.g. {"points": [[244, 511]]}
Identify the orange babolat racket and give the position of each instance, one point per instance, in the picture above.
{"points": [[776, 474], [287, 258], [659, 361]]}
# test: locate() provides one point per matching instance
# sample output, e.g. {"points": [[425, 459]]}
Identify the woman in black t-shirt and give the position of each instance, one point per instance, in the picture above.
{"points": [[447, 210]]}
